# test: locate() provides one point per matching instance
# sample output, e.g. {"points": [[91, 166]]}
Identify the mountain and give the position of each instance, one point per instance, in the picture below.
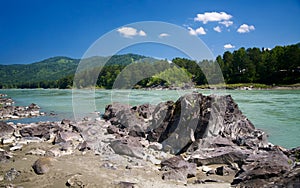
{"points": [[55, 68]]}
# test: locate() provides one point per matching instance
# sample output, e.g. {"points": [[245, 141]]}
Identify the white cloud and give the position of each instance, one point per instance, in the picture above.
{"points": [[163, 35], [212, 17], [199, 31], [130, 32], [142, 33], [228, 46], [218, 29], [227, 23], [245, 28]]}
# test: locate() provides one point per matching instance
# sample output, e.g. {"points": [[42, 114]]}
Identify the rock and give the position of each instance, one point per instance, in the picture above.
{"points": [[67, 136], [261, 167], [127, 147], [124, 184], [4, 156], [156, 146], [16, 147], [6, 130], [8, 140], [153, 160], [36, 151], [175, 175], [40, 130], [132, 119], [108, 166], [206, 169], [178, 169], [75, 181], [222, 155], [42, 165], [160, 120], [11, 174]]}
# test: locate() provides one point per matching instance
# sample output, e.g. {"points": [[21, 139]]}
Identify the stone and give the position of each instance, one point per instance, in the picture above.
{"points": [[12, 174], [4, 156], [222, 155], [42, 165], [261, 167], [127, 147], [206, 169], [75, 181], [16, 147], [5, 130], [124, 184], [178, 169], [8, 140], [67, 136], [160, 120], [36, 151]]}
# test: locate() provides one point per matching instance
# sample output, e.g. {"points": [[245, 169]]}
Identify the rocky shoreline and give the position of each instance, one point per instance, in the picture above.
{"points": [[9, 111], [196, 140]]}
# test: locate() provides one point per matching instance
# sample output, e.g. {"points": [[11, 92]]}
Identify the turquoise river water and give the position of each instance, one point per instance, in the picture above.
{"points": [[277, 112]]}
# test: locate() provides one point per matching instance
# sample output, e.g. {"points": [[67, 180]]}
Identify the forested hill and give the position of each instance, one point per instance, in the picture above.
{"points": [[280, 65], [46, 73]]}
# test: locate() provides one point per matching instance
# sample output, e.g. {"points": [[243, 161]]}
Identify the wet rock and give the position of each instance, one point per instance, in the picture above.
{"points": [[12, 174], [42, 165]]}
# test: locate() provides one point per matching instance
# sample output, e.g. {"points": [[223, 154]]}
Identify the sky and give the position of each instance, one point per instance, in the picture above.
{"points": [[33, 30]]}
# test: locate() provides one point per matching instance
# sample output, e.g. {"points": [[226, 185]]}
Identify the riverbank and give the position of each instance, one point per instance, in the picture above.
{"points": [[146, 146], [250, 86]]}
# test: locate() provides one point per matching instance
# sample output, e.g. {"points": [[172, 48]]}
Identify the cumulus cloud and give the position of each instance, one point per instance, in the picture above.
{"points": [[142, 33], [162, 35], [199, 31], [228, 46], [227, 23], [218, 29], [245, 28], [212, 17], [130, 32]]}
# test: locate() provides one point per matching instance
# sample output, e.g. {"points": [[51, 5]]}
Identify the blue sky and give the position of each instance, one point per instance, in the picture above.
{"points": [[34, 30]]}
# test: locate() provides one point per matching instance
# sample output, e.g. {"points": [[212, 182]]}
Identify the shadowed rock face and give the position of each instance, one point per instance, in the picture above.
{"points": [[208, 130], [191, 117]]}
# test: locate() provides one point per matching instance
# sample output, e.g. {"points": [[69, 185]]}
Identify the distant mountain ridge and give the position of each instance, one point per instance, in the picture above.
{"points": [[55, 68]]}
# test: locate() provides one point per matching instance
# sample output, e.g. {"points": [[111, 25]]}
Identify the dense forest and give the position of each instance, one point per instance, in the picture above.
{"points": [[280, 65]]}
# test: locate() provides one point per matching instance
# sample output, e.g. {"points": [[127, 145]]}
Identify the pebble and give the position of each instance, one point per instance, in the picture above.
{"points": [[11, 174], [16, 147]]}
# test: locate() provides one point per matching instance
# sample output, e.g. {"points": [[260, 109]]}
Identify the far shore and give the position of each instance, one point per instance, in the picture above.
{"points": [[238, 86]]}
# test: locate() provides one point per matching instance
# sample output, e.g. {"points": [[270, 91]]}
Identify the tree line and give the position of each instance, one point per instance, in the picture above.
{"points": [[280, 65]]}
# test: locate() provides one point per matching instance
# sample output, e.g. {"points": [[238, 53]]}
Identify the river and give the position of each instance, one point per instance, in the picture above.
{"points": [[277, 112]]}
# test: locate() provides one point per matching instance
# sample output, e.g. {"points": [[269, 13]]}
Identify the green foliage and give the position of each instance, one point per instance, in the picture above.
{"points": [[278, 66]]}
